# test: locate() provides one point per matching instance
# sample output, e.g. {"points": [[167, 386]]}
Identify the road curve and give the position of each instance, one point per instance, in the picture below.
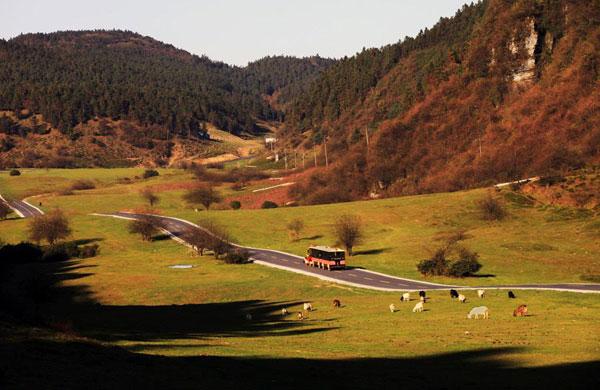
{"points": [[22, 208], [356, 277]]}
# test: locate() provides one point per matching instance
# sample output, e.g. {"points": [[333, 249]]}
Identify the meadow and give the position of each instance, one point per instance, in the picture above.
{"points": [[128, 295]]}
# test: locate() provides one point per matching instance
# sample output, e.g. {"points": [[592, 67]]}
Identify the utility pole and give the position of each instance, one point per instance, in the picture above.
{"points": [[367, 136], [325, 146]]}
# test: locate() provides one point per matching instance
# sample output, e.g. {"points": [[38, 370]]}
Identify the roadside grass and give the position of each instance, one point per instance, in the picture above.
{"points": [[533, 245]]}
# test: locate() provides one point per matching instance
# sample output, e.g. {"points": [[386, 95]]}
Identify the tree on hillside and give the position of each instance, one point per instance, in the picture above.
{"points": [[218, 238], [348, 231], [295, 226], [4, 210], [149, 196], [145, 226], [198, 238], [50, 227], [204, 195]]}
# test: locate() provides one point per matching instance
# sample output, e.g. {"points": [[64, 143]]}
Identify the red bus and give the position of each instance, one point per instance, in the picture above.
{"points": [[325, 257]]}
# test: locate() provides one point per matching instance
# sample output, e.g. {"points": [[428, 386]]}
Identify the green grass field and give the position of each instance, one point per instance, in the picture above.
{"points": [[149, 308]]}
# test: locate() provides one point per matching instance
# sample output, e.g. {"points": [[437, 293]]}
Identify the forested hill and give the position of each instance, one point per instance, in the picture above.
{"points": [[505, 89], [71, 77]]}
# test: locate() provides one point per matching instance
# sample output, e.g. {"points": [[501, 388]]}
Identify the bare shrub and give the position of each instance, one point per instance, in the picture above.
{"points": [[50, 227], [295, 227], [204, 195], [492, 209], [4, 210], [145, 226], [348, 231], [83, 185], [149, 196]]}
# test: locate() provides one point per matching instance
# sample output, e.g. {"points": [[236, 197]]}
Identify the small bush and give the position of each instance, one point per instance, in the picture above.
{"points": [[235, 204], [237, 256], [88, 251], [435, 266], [267, 204], [551, 180], [83, 185], [491, 209], [148, 173], [466, 265], [15, 172], [216, 166], [60, 252]]}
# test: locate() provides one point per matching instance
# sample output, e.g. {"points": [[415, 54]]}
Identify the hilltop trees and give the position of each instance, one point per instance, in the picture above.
{"points": [[50, 227]]}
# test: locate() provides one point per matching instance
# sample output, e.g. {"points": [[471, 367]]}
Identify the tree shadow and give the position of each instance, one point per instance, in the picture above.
{"points": [[481, 276], [34, 363], [315, 237], [371, 251], [162, 237], [87, 241]]}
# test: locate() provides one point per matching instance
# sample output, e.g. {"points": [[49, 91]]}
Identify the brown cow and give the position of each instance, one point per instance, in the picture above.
{"points": [[520, 311], [337, 303]]}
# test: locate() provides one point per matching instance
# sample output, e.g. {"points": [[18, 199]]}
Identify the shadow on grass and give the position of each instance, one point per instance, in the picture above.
{"points": [[87, 241], [377, 251], [79, 363], [316, 237], [476, 276]]}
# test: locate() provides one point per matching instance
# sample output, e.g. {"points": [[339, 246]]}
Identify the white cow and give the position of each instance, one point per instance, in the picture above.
{"points": [[418, 307], [308, 306], [392, 307], [462, 298], [480, 293], [479, 311], [284, 312], [405, 297]]}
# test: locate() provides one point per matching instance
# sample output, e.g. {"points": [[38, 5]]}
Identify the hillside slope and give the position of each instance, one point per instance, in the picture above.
{"points": [[72, 78], [505, 89]]}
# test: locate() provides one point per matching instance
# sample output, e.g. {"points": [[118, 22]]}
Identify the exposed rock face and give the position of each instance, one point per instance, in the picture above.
{"points": [[526, 71]]}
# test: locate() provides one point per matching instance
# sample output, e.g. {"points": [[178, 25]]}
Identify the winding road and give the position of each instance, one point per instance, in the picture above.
{"points": [[21, 207], [356, 277]]}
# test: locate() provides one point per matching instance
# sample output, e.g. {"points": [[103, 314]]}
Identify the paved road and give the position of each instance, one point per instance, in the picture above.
{"points": [[22, 208], [353, 276]]}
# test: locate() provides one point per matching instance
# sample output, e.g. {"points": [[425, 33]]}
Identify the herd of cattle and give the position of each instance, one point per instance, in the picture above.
{"points": [[475, 313]]}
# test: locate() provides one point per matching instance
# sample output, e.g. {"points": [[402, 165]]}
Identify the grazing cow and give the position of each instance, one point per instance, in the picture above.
{"points": [[479, 311], [462, 298], [520, 311], [249, 317], [453, 294], [511, 294], [392, 307], [308, 306], [480, 293], [337, 303], [405, 297], [422, 294], [301, 316], [284, 312], [418, 307]]}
